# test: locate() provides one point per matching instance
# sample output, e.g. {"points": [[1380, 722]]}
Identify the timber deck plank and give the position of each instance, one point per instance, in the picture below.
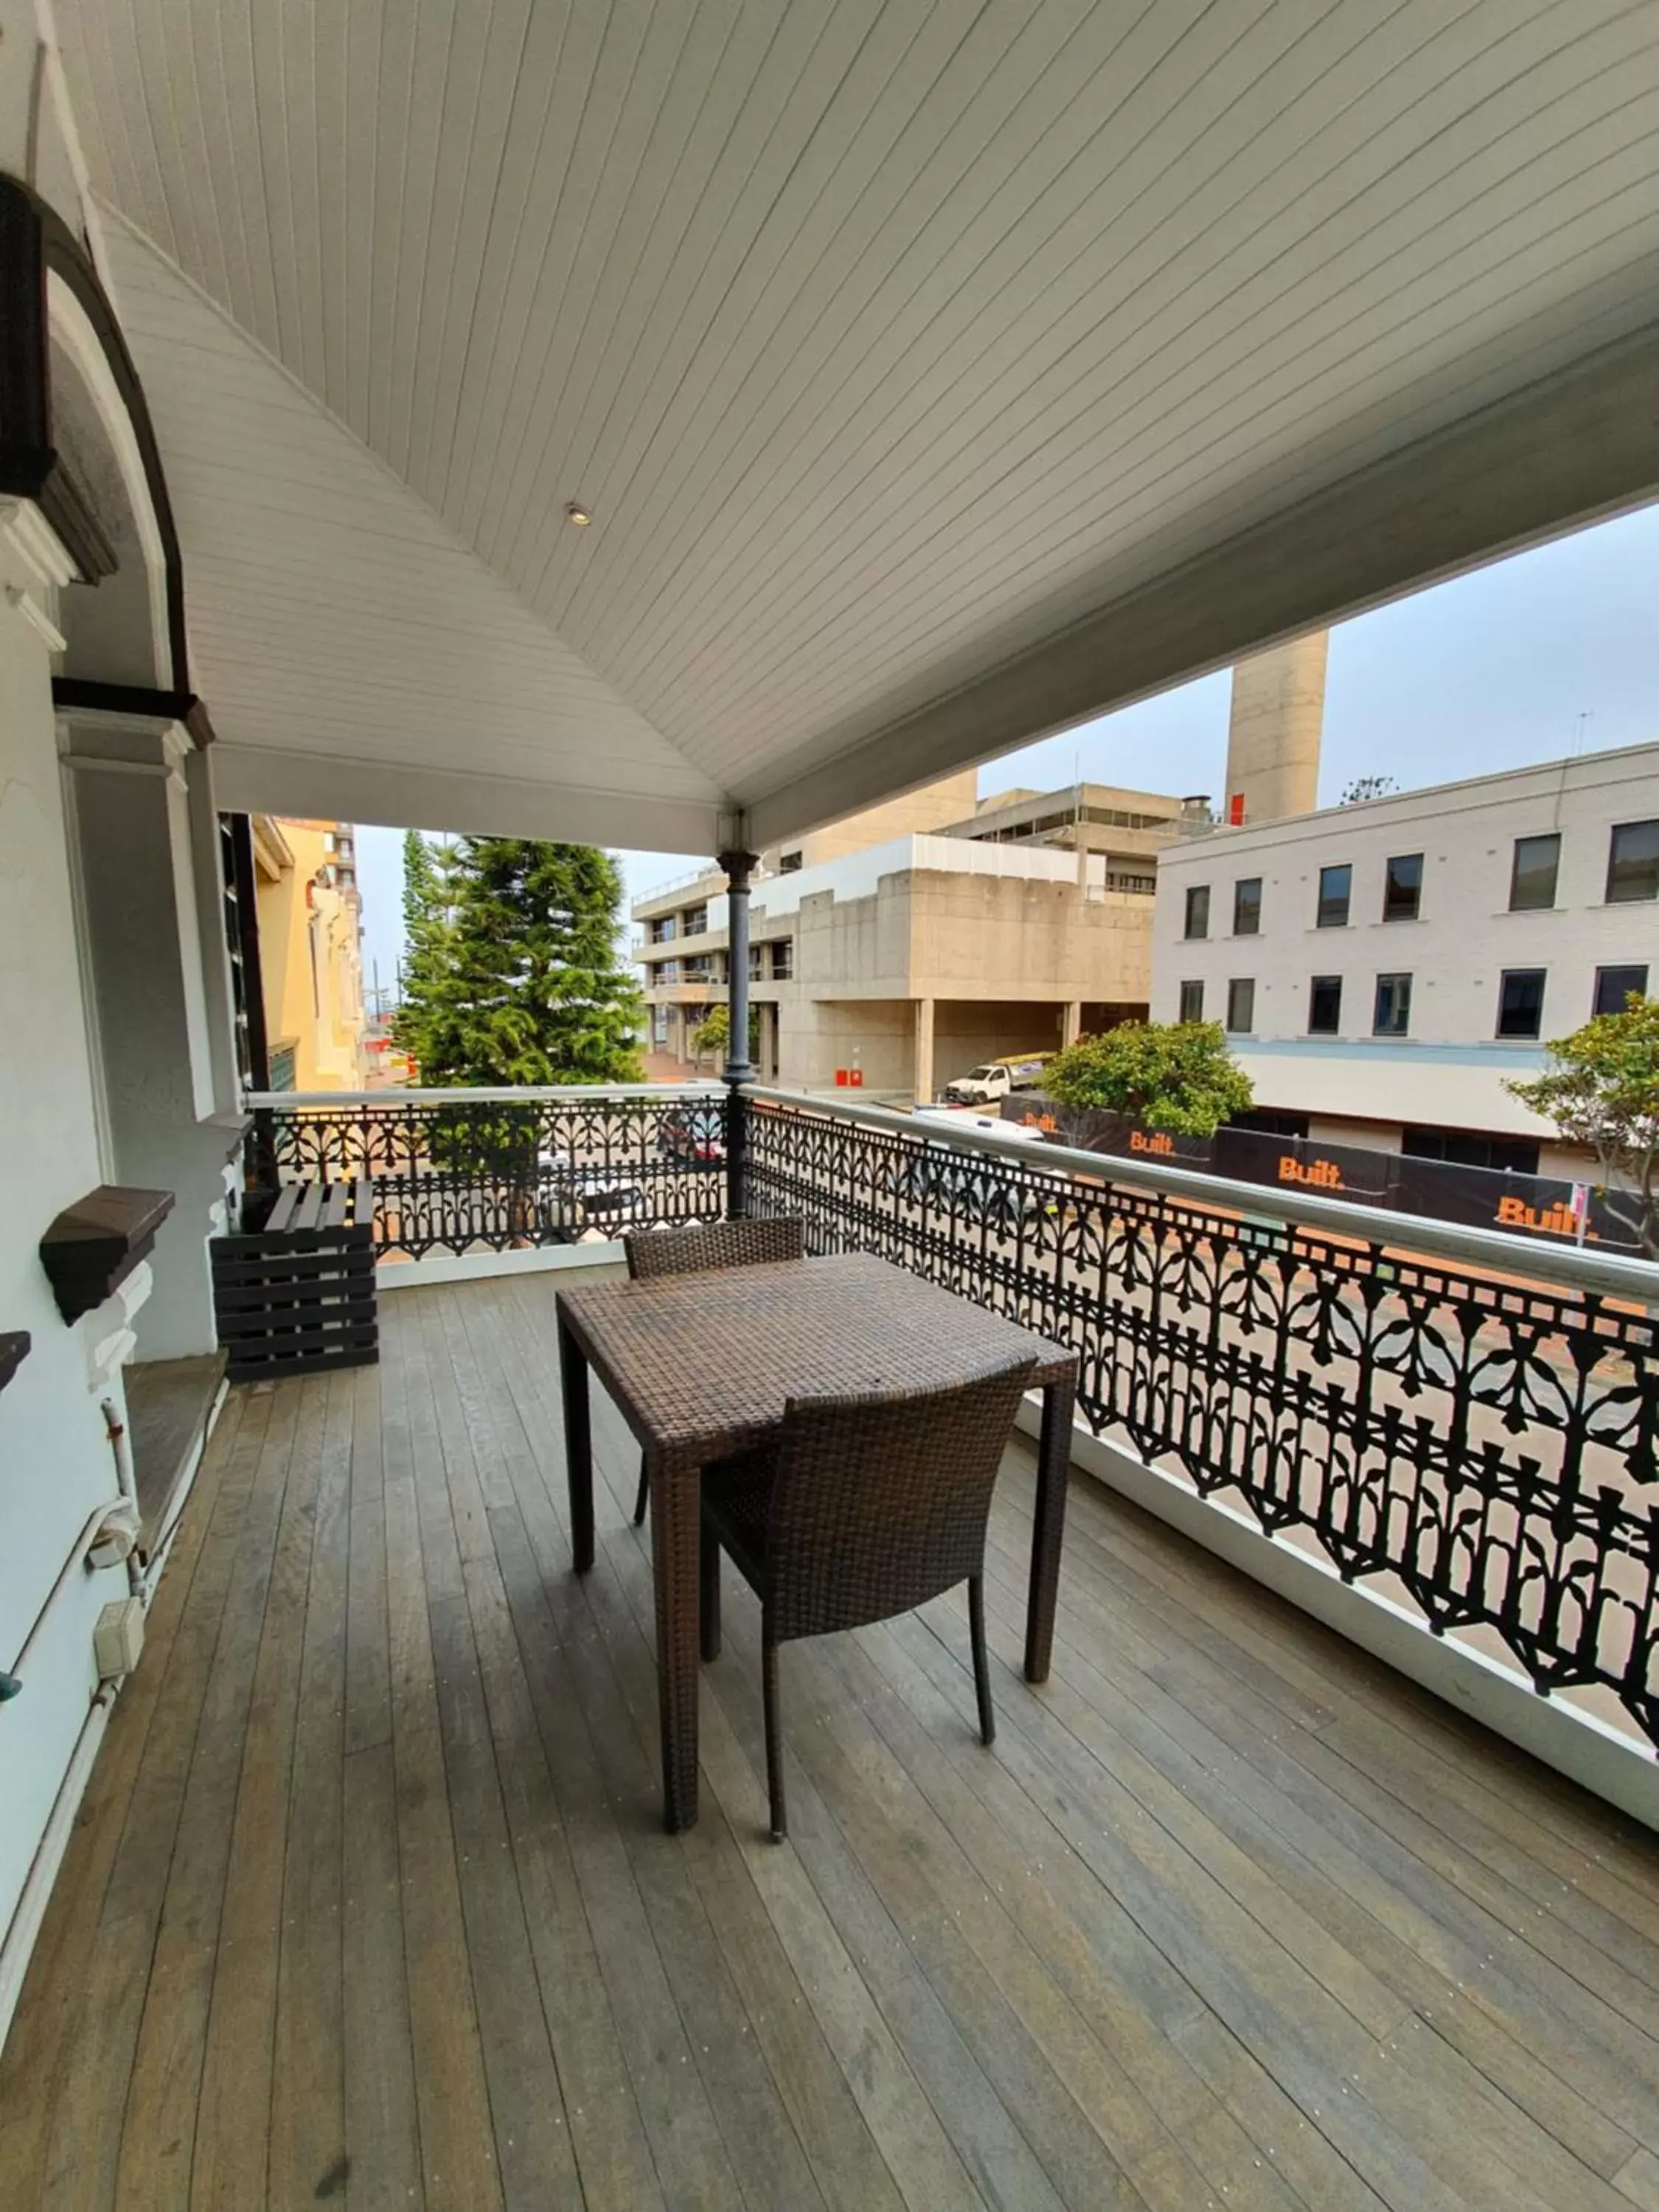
{"points": [[368, 1902]]}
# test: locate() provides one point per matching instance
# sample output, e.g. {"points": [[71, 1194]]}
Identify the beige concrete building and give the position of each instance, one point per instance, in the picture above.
{"points": [[311, 961], [900, 955]]}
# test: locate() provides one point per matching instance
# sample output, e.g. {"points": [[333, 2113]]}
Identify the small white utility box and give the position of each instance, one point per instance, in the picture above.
{"points": [[118, 1638]]}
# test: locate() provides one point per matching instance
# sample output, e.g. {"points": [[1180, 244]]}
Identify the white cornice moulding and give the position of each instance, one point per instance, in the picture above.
{"points": [[36, 544], [37, 618]]}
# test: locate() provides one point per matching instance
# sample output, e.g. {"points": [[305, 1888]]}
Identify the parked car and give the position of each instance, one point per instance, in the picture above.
{"points": [[969, 1188], [995, 1078], [580, 1205], [694, 1137]]}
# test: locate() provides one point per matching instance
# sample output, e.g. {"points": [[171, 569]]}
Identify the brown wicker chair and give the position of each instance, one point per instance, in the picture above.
{"points": [[865, 1507], [653, 1252]]}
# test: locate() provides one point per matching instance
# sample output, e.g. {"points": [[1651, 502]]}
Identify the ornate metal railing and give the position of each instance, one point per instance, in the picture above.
{"points": [[1476, 1437], [1463, 1421], [459, 1171]]}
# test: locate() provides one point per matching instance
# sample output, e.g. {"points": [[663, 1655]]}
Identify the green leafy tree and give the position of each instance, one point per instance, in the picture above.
{"points": [[712, 1034], [516, 975], [1601, 1089], [1176, 1076]]}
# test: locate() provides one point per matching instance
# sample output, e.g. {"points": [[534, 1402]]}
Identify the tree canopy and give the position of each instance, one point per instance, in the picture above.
{"points": [[1176, 1076], [1601, 1089], [514, 972], [714, 1032]]}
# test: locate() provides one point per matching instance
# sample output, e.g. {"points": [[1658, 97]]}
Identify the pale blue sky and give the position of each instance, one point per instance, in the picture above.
{"points": [[1491, 671]]}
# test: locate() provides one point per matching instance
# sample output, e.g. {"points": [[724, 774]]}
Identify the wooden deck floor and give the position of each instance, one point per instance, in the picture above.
{"points": [[369, 1903]]}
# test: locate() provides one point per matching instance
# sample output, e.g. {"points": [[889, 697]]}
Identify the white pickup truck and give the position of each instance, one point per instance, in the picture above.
{"points": [[996, 1079]]}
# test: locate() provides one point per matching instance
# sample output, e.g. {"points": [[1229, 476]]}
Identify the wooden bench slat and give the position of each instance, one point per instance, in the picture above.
{"points": [[311, 1206], [282, 1215]]}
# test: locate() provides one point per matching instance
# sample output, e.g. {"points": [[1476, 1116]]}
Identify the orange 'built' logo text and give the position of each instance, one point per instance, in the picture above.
{"points": [[1325, 1174], [1559, 1220], [1158, 1142]]}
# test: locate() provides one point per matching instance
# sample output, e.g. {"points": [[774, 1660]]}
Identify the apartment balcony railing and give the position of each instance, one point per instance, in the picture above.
{"points": [[1463, 1422], [459, 1171]]}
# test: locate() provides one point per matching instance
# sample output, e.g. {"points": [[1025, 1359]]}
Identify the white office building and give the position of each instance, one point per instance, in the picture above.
{"points": [[1382, 970]]}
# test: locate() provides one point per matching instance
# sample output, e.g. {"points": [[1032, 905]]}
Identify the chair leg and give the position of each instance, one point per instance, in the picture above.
{"points": [[987, 1719], [644, 1498], [709, 1601], [773, 1737]]}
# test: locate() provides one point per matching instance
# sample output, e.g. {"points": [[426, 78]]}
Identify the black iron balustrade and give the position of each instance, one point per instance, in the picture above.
{"points": [[1482, 1444], [1469, 1436], [468, 1171]]}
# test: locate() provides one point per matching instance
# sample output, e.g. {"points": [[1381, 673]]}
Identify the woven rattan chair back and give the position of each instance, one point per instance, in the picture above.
{"points": [[653, 1252], [880, 1502]]}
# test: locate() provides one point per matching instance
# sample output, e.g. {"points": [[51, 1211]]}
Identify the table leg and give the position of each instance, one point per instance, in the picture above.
{"points": [[578, 1447], [1054, 1464], [676, 1514]]}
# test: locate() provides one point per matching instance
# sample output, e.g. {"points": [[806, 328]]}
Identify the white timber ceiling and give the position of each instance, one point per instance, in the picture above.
{"points": [[936, 374]]}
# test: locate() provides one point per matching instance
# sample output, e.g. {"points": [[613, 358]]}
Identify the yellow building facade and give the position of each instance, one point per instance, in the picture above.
{"points": [[310, 919]]}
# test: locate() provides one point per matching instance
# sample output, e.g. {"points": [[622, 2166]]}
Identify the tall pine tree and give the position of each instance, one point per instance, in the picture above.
{"points": [[516, 975], [431, 892]]}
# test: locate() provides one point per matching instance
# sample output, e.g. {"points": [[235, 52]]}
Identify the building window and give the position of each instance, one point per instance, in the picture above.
{"points": [[1269, 1121], [1613, 987], [1247, 907], [783, 959], [1394, 1006], [695, 920], [1633, 862], [1471, 1148], [757, 963], [1521, 1002], [1335, 889], [1198, 910], [282, 1067], [1192, 1002], [1241, 1005], [788, 863], [1325, 1005], [1402, 888], [1532, 878]]}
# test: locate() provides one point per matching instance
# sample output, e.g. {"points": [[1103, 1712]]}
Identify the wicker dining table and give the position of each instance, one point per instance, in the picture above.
{"points": [[700, 1366]]}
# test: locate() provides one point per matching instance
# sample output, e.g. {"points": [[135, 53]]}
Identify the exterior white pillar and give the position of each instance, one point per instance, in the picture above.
{"points": [[1070, 1022], [924, 1058], [146, 917]]}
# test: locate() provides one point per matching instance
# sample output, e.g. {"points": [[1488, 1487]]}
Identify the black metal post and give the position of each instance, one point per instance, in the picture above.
{"points": [[738, 1070]]}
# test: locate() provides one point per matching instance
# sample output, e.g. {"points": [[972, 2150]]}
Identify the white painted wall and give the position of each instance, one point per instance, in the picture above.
{"points": [[56, 1464], [1452, 1068], [146, 930]]}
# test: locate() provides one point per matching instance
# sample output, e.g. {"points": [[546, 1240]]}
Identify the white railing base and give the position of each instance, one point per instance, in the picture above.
{"points": [[473, 1267], [1601, 1758]]}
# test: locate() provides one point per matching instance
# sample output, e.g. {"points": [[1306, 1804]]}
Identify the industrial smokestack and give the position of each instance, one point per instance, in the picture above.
{"points": [[1273, 732]]}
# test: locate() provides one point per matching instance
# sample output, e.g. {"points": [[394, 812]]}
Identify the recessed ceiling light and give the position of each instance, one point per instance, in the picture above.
{"points": [[578, 514]]}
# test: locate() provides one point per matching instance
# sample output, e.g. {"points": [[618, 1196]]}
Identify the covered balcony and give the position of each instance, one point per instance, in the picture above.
{"points": [[369, 1902], [680, 427]]}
